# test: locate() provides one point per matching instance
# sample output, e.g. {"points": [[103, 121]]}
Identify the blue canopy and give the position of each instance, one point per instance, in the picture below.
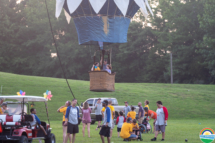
{"points": [[108, 25]]}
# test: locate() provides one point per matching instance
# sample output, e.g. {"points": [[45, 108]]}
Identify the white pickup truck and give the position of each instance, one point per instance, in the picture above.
{"points": [[92, 102]]}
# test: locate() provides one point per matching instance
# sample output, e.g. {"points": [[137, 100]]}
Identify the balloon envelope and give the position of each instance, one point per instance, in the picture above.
{"points": [[106, 21]]}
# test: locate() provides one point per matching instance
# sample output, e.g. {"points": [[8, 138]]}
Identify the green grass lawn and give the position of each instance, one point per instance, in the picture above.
{"points": [[188, 104], [184, 101], [177, 131]]}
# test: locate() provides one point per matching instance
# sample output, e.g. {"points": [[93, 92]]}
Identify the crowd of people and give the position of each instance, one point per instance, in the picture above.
{"points": [[127, 126]]}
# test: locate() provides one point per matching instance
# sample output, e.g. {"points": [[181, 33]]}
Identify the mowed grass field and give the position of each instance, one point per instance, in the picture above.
{"points": [[188, 104], [176, 132]]}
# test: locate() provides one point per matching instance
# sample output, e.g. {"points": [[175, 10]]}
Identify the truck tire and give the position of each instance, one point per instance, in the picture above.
{"points": [[93, 122], [50, 139], [23, 139]]}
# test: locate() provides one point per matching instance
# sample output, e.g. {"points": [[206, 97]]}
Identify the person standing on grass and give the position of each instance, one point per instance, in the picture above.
{"points": [[86, 119], [140, 113], [119, 121], [107, 122], [113, 115], [98, 113], [126, 109], [62, 109], [161, 121], [132, 113], [152, 115], [71, 118], [146, 105]]}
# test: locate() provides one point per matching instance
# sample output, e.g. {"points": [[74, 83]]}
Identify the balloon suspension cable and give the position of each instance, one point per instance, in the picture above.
{"points": [[58, 55]]}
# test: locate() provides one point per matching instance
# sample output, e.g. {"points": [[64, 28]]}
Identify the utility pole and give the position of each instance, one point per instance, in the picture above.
{"points": [[171, 70]]}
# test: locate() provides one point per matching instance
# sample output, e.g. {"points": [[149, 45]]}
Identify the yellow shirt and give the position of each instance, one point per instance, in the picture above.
{"points": [[147, 107], [132, 114], [63, 110], [111, 108], [97, 69], [1, 111], [125, 130], [136, 126]]}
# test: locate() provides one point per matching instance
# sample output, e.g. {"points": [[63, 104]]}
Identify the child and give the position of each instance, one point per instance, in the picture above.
{"points": [[108, 69], [119, 121], [146, 105], [132, 113], [135, 127], [95, 67]]}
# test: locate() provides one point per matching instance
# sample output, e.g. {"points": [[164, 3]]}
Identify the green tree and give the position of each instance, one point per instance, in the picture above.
{"points": [[207, 46]]}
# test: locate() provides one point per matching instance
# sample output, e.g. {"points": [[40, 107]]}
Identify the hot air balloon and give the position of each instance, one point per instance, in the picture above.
{"points": [[101, 22]]}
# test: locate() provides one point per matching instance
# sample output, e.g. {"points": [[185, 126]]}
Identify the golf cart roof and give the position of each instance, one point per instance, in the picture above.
{"points": [[26, 98]]}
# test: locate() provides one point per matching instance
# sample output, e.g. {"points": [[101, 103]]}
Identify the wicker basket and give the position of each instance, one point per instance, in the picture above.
{"points": [[102, 81]]}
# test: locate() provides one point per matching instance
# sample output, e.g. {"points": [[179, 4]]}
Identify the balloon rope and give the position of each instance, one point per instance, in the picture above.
{"points": [[58, 55]]}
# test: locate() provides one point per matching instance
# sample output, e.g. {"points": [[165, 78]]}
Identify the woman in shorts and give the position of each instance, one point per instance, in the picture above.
{"points": [[62, 109], [86, 119]]}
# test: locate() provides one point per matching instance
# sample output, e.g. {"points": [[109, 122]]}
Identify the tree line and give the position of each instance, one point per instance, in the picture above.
{"points": [[184, 28]]}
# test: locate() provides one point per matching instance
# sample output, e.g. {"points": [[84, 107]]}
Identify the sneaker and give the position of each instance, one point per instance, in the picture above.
{"points": [[154, 139], [162, 140]]}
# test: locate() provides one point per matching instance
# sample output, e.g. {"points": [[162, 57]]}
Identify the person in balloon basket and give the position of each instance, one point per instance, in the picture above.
{"points": [[95, 67], [161, 121], [71, 118], [107, 123], [104, 64], [108, 69]]}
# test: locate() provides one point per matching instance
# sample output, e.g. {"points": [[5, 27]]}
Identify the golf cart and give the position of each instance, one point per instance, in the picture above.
{"points": [[15, 126]]}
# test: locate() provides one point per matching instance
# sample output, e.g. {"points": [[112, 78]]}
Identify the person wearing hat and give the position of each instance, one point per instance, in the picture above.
{"points": [[107, 123], [112, 115], [126, 109], [1, 101], [127, 130], [152, 115], [98, 113]]}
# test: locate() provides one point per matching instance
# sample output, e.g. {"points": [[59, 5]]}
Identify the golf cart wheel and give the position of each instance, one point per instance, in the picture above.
{"points": [[50, 139], [23, 139]]}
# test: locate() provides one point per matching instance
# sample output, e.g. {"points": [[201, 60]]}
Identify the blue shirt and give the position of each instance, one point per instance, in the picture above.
{"points": [[107, 117], [72, 114], [108, 70], [35, 121]]}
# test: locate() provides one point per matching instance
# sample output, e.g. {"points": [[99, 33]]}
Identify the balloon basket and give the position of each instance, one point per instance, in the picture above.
{"points": [[102, 81]]}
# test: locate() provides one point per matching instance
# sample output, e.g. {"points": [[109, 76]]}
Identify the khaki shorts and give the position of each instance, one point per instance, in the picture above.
{"points": [[113, 124], [141, 120]]}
